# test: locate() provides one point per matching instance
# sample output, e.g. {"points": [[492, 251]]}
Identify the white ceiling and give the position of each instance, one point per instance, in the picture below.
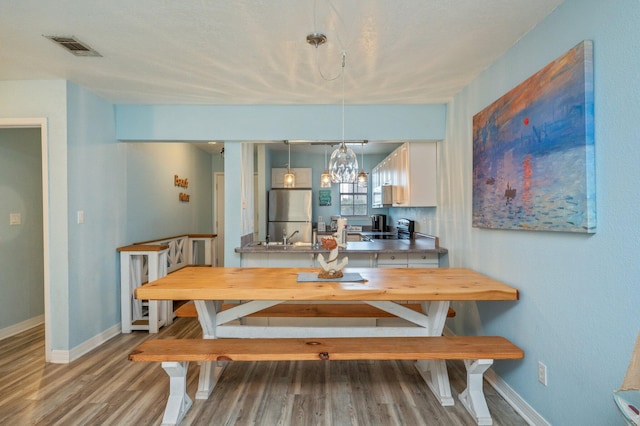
{"points": [[255, 51]]}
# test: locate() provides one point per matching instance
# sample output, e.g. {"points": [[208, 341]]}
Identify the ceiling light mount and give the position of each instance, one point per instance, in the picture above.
{"points": [[316, 39]]}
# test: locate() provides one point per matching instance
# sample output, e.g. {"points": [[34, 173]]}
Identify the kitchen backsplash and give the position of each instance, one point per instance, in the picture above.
{"points": [[424, 217]]}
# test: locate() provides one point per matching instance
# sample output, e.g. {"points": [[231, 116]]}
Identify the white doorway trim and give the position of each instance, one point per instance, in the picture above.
{"points": [[42, 124], [218, 185]]}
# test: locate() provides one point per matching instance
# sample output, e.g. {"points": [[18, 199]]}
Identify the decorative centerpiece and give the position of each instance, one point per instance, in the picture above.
{"points": [[331, 268]]}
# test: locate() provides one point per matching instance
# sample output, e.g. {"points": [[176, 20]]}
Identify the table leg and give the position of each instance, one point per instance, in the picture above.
{"points": [[437, 312], [179, 402], [434, 372], [210, 372], [473, 396], [207, 312]]}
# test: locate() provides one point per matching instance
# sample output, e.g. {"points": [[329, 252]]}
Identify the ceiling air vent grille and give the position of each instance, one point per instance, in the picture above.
{"points": [[73, 45]]}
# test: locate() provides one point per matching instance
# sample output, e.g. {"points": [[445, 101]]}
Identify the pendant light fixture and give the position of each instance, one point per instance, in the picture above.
{"points": [[289, 178], [325, 178], [362, 176], [343, 165]]}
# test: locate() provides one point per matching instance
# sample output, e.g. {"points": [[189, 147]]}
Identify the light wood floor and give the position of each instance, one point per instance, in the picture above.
{"points": [[104, 388]]}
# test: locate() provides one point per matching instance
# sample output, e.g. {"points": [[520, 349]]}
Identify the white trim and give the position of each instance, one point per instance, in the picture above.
{"points": [[41, 122], [65, 357], [511, 397], [59, 357], [12, 330], [528, 414]]}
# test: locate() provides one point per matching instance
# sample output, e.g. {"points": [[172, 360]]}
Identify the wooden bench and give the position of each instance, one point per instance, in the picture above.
{"points": [[478, 352], [311, 310]]}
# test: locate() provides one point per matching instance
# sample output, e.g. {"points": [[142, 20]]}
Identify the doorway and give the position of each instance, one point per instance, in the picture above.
{"points": [[218, 185], [40, 123]]}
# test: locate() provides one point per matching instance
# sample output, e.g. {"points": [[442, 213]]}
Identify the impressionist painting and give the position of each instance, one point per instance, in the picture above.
{"points": [[533, 151]]}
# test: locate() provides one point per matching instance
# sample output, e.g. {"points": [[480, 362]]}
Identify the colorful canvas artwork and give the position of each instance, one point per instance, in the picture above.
{"points": [[533, 151]]}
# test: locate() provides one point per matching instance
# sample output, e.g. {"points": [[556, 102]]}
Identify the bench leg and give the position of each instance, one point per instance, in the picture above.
{"points": [[473, 397], [179, 402], [434, 372], [209, 374]]}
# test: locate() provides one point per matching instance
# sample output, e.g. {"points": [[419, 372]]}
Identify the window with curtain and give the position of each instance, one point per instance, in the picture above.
{"points": [[354, 200]]}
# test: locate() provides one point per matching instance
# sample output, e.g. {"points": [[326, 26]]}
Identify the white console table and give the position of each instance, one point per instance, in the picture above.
{"points": [[149, 260], [132, 276]]}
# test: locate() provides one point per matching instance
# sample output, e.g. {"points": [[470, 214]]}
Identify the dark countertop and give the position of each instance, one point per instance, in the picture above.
{"points": [[378, 234], [418, 245]]}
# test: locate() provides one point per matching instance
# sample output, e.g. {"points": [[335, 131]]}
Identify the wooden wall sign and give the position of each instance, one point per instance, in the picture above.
{"points": [[181, 183]]}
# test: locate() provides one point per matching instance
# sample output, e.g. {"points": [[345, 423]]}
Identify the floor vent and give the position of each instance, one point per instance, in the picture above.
{"points": [[73, 45]]}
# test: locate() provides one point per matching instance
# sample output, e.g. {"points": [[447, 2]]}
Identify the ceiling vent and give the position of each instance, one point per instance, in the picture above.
{"points": [[73, 45]]}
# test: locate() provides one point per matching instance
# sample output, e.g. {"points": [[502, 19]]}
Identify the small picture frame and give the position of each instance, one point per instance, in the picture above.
{"points": [[324, 197]]}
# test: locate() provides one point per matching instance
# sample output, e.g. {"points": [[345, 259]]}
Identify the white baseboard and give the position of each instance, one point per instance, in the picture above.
{"points": [[531, 416], [528, 414], [65, 357], [21, 326]]}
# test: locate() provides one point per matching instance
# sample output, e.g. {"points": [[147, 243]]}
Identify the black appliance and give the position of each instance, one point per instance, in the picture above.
{"points": [[405, 229], [379, 223]]}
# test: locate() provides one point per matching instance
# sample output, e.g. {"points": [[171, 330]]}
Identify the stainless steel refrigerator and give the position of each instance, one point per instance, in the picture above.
{"points": [[290, 211]]}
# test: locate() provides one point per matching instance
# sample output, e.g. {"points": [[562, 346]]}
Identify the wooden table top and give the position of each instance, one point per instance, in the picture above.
{"points": [[390, 284]]}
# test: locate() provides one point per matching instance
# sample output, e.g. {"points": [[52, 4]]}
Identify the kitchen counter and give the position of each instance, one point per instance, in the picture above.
{"points": [[417, 245], [378, 234]]}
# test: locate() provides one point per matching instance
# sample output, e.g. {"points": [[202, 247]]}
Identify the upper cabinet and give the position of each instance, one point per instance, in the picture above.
{"points": [[412, 170], [303, 177]]}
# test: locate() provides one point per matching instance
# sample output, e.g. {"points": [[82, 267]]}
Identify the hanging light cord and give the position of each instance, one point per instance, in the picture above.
{"points": [[340, 43], [344, 60], [325, 157]]}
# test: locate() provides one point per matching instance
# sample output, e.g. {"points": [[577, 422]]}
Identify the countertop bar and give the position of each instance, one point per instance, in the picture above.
{"points": [[418, 245]]}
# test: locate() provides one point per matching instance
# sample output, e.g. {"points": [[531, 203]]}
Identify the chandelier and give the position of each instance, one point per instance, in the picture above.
{"points": [[343, 165]]}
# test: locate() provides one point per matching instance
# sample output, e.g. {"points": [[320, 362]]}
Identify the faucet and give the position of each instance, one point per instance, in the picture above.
{"points": [[287, 239]]}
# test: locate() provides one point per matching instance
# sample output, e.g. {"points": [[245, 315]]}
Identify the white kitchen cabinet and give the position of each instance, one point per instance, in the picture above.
{"points": [[400, 168], [386, 172], [407, 260], [360, 260], [412, 170], [422, 260], [303, 177], [374, 177], [392, 260], [416, 175], [277, 260]]}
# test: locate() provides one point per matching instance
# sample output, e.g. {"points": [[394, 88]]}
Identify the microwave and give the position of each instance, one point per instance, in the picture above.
{"points": [[382, 196]]}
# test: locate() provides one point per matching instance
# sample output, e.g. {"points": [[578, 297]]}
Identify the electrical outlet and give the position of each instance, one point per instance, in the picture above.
{"points": [[15, 219], [542, 373]]}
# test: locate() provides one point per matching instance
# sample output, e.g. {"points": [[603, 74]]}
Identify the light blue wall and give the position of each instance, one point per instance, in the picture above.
{"points": [[21, 246], [579, 294], [97, 179], [277, 122], [153, 208], [47, 99], [233, 229]]}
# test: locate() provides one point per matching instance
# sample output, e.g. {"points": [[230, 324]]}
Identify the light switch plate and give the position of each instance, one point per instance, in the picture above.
{"points": [[15, 219], [80, 217]]}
